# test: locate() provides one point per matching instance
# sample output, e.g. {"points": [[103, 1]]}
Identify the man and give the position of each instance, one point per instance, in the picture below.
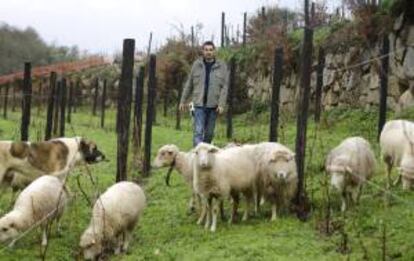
{"points": [[207, 85]]}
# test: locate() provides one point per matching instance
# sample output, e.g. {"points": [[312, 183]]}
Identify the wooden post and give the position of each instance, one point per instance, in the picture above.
{"points": [[103, 101], [124, 108], [312, 21], [137, 131], [149, 45], [78, 100], [193, 53], [166, 100], [56, 108], [51, 101], [263, 15], [383, 84], [26, 101], [6, 99], [319, 85], [244, 28], [223, 28], [230, 98], [150, 115], [277, 81], [302, 117], [95, 97], [39, 99], [192, 37], [63, 98], [178, 112], [15, 86], [70, 102]]}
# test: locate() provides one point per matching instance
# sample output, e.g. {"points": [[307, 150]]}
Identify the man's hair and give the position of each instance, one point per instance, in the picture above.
{"points": [[208, 43]]}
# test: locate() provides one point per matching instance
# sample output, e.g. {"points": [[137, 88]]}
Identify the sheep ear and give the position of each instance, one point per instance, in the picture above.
{"points": [[213, 150], [348, 169]]}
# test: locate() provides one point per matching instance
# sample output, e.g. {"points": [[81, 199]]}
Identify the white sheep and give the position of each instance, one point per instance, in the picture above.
{"points": [[219, 174], [350, 164], [38, 204], [396, 139], [278, 176], [171, 156], [114, 216]]}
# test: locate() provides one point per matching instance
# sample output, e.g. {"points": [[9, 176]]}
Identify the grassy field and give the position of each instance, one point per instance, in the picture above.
{"points": [[167, 232]]}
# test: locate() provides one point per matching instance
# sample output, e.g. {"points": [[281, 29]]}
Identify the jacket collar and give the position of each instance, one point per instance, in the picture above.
{"points": [[200, 62]]}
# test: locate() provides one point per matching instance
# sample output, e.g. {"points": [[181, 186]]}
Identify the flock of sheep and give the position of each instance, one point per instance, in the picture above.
{"points": [[263, 172], [266, 172]]}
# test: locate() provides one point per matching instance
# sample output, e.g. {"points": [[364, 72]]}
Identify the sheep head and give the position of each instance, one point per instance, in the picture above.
{"points": [[90, 245], [165, 156], [282, 164], [205, 155], [8, 228]]}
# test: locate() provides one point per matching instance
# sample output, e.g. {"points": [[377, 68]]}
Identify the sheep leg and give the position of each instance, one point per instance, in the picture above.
{"points": [[203, 211], [274, 211], [208, 212], [44, 235], [388, 168], [344, 200], [406, 183], [13, 198], [215, 211], [191, 205], [397, 180], [256, 202], [3, 171], [236, 200], [127, 239], [222, 214], [357, 194], [118, 244], [248, 197]]}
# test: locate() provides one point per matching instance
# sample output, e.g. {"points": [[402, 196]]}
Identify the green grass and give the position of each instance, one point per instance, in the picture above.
{"points": [[166, 232]]}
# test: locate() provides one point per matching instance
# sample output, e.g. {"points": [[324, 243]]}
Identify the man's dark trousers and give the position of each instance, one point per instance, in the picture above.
{"points": [[204, 124]]}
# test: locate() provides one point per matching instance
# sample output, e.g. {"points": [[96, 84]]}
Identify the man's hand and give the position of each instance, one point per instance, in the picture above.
{"points": [[219, 110], [182, 107]]}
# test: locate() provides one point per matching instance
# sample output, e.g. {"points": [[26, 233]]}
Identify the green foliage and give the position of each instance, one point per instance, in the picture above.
{"points": [[19, 46]]}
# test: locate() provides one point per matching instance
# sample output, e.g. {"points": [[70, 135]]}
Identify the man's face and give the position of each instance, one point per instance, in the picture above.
{"points": [[208, 52]]}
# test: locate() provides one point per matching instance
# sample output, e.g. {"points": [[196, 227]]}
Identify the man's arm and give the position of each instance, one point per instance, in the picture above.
{"points": [[188, 88], [223, 93]]}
